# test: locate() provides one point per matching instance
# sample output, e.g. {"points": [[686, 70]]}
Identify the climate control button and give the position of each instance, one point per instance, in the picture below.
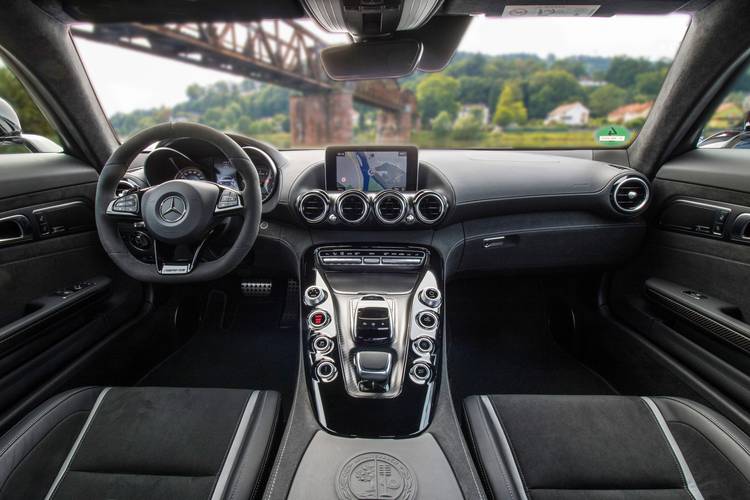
{"points": [[314, 295], [427, 320], [322, 344], [326, 371], [430, 297]]}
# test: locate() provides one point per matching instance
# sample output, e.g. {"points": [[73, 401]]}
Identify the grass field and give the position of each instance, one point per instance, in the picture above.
{"points": [[535, 139]]}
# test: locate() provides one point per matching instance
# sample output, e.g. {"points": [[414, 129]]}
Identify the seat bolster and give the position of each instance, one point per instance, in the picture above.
{"points": [[723, 434], [494, 458], [257, 448], [20, 440]]}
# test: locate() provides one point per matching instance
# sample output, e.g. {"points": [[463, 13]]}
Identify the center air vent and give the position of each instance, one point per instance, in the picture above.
{"points": [[390, 207], [630, 194], [429, 207], [313, 206], [353, 207]]}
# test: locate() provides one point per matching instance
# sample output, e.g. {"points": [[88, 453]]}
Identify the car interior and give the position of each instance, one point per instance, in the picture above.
{"points": [[374, 249]]}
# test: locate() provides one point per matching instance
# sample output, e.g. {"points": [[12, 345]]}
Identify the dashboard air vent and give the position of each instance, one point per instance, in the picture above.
{"points": [[353, 207], [630, 194], [390, 207], [313, 206], [429, 206]]}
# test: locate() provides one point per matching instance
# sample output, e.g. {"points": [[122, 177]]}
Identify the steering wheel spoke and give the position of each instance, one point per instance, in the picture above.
{"points": [[182, 258], [230, 202], [126, 206]]}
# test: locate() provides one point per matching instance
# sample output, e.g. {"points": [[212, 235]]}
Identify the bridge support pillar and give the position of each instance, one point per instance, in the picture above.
{"points": [[397, 126], [321, 119]]}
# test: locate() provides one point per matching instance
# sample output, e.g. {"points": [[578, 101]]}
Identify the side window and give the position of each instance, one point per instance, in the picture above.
{"points": [[37, 131], [729, 125]]}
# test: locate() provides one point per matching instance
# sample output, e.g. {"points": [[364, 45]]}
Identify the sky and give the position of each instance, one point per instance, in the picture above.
{"points": [[126, 80]]}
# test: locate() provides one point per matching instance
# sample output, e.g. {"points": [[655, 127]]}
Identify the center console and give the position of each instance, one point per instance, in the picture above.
{"points": [[372, 320]]}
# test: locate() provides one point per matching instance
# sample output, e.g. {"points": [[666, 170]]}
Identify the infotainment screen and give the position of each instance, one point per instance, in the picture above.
{"points": [[371, 168]]}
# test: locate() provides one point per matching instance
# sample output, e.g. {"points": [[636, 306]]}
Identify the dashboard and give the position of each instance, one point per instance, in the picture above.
{"points": [[481, 210]]}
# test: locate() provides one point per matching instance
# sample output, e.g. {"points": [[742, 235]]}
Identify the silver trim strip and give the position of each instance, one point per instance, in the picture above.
{"points": [[507, 454], [234, 448], [76, 444], [690, 483]]}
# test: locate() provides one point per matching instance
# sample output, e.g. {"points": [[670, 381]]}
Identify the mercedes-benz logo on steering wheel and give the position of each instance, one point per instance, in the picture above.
{"points": [[172, 209]]}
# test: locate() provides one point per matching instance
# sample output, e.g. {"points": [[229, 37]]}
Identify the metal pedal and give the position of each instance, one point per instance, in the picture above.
{"points": [[256, 288]]}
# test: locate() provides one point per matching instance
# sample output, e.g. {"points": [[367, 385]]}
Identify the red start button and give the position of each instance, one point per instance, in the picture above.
{"points": [[318, 319]]}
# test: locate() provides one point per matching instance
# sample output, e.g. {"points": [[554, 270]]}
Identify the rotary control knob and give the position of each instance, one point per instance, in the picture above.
{"points": [[430, 297], [314, 295]]}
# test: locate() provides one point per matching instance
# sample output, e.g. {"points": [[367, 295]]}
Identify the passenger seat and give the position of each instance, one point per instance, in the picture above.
{"points": [[606, 447], [141, 443]]}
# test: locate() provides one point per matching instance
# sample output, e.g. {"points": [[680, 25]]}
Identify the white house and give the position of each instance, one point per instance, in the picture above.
{"points": [[574, 113], [480, 111]]}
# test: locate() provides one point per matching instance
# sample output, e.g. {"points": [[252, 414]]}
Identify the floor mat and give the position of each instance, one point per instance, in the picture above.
{"points": [[245, 349], [500, 343]]}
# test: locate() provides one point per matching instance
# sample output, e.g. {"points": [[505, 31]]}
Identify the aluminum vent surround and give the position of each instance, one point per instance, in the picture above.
{"points": [[386, 196], [629, 186], [429, 196], [308, 197], [353, 195]]}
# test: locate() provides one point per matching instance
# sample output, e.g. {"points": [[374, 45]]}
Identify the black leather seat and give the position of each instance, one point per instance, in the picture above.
{"points": [[140, 443], [606, 447]]}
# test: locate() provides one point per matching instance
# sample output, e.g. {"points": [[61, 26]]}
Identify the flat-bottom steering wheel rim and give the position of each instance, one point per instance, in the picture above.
{"points": [[117, 166]]}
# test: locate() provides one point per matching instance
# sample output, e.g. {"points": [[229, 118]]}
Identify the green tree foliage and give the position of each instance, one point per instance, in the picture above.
{"points": [[437, 93], [548, 89], [604, 99], [468, 128], [510, 107], [32, 120], [442, 124], [648, 84], [623, 70]]}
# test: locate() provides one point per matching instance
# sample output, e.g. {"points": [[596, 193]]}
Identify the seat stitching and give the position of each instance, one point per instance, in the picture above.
{"points": [[669, 446], [679, 422], [283, 447], [726, 431], [510, 444], [497, 455], [10, 472], [36, 420]]}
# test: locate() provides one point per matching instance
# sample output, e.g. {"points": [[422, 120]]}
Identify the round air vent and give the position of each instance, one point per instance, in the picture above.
{"points": [[630, 194], [390, 207], [429, 207], [313, 206], [353, 207]]}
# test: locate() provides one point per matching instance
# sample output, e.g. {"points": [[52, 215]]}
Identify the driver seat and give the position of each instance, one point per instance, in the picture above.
{"points": [[141, 442]]}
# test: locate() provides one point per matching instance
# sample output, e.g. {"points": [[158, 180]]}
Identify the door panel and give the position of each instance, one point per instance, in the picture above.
{"points": [[60, 293], [689, 291]]}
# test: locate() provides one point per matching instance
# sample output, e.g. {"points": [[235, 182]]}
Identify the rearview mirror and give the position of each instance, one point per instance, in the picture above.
{"points": [[372, 59]]}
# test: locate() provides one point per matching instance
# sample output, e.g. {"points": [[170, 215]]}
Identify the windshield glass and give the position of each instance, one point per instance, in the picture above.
{"points": [[525, 83]]}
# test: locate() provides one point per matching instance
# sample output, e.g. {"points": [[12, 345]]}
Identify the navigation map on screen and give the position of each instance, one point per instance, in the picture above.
{"points": [[371, 171]]}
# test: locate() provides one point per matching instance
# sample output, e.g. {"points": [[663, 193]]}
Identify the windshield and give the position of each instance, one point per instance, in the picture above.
{"points": [[525, 83]]}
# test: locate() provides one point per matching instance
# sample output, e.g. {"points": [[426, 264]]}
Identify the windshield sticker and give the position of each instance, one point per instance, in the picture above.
{"points": [[612, 135], [549, 10]]}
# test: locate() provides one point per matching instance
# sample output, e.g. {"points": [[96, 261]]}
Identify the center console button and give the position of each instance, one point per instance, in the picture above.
{"points": [[420, 373], [372, 260], [322, 344], [423, 346], [430, 297], [314, 295], [318, 319], [427, 320], [326, 371]]}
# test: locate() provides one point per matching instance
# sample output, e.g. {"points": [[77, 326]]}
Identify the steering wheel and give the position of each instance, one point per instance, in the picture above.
{"points": [[178, 215]]}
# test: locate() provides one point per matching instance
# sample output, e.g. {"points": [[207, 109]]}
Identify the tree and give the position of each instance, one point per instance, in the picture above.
{"points": [[572, 65], [467, 128], [648, 84], [442, 124], [623, 70], [510, 107], [437, 93], [474, 89], [549, 89], [606, 98]]}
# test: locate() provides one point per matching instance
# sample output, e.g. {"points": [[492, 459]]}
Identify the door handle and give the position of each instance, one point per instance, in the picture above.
{"points": [[741, 228], [15, 229]]}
